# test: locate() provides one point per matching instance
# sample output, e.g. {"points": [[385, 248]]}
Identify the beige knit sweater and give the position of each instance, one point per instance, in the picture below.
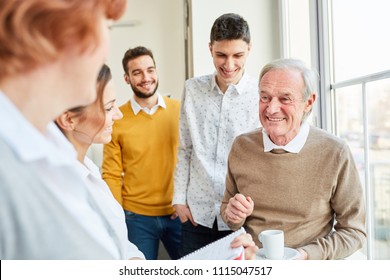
{"points": [[315, 196]]}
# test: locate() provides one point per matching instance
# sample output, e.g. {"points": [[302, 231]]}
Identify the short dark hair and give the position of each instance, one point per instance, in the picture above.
{"points": [[230, 27], [133, 53]]}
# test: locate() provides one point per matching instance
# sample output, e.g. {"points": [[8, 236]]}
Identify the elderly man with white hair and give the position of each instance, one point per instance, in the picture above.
{"points": [[290, 176]]}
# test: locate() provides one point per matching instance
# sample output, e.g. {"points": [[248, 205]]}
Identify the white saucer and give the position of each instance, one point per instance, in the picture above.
{"points": [[289, 254]]}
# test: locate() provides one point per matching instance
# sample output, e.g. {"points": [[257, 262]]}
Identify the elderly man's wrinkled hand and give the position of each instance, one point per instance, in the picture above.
{"points": [[239, 208]]}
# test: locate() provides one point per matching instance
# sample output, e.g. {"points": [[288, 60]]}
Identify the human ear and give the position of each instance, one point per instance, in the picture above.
{"points": [[249, 47], [211, 49], [127, 78], [66, 121], [310, 102]]}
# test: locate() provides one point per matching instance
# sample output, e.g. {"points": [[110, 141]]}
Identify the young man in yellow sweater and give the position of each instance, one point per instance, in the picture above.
{"points": [[139, 162]]}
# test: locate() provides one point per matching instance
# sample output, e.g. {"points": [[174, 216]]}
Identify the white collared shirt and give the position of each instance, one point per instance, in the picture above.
{"points": [[109, 209], [137, 108], [54, 160], [209, 122], [294, 146]]}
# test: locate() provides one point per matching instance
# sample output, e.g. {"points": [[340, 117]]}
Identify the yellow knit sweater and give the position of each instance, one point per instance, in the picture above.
{"points": [[139, 162]]}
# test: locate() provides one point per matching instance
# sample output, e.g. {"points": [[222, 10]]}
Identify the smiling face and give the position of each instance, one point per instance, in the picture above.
{"points": [[112, 113], [93, 123], [282, 107], [229, 57], [142, 76]]}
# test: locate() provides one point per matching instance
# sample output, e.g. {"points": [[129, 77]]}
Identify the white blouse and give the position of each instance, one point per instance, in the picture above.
{"points": [[110, 210]]}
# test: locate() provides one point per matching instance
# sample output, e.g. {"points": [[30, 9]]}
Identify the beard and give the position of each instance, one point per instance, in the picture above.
{"points": [[143, 95]]}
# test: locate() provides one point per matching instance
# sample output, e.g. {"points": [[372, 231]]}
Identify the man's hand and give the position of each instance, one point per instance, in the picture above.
{"points": [[303, 255], [184, 213], [239, 208], [245, 240]]}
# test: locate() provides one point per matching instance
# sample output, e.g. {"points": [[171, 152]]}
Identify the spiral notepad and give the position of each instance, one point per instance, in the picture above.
{"points": [[219, 250]]}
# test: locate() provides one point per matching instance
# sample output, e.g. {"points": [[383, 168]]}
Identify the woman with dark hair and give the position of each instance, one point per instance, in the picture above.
{"points": [[85, 125], [92, 124]]}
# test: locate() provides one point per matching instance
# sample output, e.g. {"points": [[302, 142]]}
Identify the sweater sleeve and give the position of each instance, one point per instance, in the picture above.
{"points": [[112, 168], [348, 205], [230, 191]]}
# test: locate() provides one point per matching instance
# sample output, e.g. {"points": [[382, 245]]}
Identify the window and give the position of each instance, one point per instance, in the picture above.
{"points": [[358, 93]]}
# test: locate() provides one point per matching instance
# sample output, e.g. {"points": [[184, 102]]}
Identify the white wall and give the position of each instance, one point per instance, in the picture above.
{"points": [[159, 26], [262, 17], [298, 25]]}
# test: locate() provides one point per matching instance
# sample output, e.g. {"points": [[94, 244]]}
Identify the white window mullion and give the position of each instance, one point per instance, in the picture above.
{"points": [[367, 169], [284, 21]]}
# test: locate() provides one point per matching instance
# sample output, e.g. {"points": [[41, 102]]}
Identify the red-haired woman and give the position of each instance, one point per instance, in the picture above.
{"points": [[50, 55]]}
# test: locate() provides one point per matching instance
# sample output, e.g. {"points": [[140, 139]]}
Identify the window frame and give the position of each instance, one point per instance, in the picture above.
{"points": [[323, 58]]}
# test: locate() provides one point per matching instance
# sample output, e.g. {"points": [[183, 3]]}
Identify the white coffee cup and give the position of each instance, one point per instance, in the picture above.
{"points": [[273, 243]]}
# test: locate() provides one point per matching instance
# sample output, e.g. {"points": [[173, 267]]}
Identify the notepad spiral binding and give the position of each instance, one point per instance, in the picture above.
{"points": [[219, 249]]}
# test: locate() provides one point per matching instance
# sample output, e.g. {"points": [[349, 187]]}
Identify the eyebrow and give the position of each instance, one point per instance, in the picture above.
{"points": [[219, 53], [111, 101], [138, 69], [281, 93]]}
